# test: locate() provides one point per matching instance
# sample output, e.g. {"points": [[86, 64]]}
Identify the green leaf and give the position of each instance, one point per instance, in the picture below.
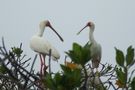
{"points": [[3, 69], [121, 75], [49, 82], [75, 56], [76, 47], [17, 51], [79, 54], [119, 57], [65, 69], [57, 79], [77, 77], [129, 56], [61, 88], [133, 84], [85, 55], [69, 78], [72, 79]]}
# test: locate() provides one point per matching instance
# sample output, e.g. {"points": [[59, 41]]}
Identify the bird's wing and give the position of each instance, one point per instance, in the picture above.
{"points": [[54, 53], [96, 53], [41, 45], [100, 51]]}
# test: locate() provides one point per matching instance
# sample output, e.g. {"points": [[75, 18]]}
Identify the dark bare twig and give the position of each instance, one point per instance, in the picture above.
{"points": [[50, 51], [33, 63], [28, 76], [112, 85], [16, 71], [3, 44]]}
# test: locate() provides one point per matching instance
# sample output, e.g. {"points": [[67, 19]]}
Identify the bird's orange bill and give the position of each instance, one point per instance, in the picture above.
{"points": [[56, 33], [81, 30]]}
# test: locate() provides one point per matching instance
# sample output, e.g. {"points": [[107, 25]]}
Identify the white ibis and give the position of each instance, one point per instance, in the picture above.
{"points": [[95, 48], [42, 46]]}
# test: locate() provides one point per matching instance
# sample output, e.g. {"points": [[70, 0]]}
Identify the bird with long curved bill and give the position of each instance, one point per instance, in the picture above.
{"points": [[42, 46], [95, 48]]}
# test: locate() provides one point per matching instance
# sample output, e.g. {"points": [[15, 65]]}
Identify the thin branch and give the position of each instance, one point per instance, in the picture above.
{"points": [[50, 52], [33, 63], [112, 85], [3, 44]]}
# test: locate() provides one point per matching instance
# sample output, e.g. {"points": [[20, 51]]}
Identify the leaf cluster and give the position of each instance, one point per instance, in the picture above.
{"points": [[79, 54], [69, 79], [13, 70], [15, 76], [124, 63]]}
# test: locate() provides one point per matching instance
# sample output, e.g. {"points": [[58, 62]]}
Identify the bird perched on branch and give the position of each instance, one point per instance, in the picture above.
{"points": [[42, 46], [95, 48]]}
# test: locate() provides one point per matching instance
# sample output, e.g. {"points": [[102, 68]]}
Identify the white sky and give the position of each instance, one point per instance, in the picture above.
{"points": [[114, 20]]}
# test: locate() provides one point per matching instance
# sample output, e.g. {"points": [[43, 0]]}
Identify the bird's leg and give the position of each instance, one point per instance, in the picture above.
{"points": [[45, 67], [41, 63]]}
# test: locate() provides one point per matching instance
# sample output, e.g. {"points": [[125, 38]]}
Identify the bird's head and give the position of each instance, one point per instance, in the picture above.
{"points": [[90, 24], [43, 24], [46, 23]]}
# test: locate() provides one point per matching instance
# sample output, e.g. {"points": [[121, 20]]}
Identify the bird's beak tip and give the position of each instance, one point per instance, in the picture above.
{"points": [[61, 39], [78, 33]]}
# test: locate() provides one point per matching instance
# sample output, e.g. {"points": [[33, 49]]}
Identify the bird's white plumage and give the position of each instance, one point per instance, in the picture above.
{"points": [[41, 45], [95, 48]]}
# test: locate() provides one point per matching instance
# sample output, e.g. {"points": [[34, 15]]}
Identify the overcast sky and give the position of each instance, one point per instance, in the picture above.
{"points": [[114, 24]]}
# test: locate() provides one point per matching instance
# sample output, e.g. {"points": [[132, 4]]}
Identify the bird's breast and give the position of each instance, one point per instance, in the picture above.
{"points": [[95, 49]]}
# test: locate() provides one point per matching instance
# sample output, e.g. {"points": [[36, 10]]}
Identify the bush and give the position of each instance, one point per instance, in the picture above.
{"points": [[74, 75]]}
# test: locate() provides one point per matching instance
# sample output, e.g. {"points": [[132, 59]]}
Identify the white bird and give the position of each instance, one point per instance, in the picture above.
{"points": [[95, 48], [42, 46]]}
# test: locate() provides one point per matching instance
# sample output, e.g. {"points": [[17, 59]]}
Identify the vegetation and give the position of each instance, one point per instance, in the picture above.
{"points": [[74, 75]]}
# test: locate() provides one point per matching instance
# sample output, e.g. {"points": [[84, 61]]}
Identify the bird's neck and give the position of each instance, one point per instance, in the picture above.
{"points": [[40, 32], [91, 37]]}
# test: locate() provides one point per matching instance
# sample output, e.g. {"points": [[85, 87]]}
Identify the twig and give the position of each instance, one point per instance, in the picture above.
{"points": [[3, 44], [112, 85], [50, 51], [17, 72], [26, 82], [65, 59], [16, 64], [33, 63]]}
